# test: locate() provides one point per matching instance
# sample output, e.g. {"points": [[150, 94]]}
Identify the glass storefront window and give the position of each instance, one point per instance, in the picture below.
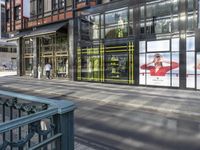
{"points": [[142, 12], [163, 8], [190, 67], [95, 26], [198, 71], [116, 24], [191, 5], [158, 9], [192, 22], [190, 62], [163, 26], [190, 43], [28, 46], [175, 24], [61, 66], [28, 63], [90, 64], [150, 11], [175, 4], [117, 66], [61, 43]]}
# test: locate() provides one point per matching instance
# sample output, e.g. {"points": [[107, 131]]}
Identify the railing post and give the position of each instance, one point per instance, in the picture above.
{"points": [[65, 125]]}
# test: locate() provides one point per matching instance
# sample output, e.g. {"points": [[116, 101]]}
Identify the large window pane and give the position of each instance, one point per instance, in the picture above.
{"points": [[117, 66], [198, 71], [175, 72], [191, 5], [142, 12], [116, 24], [190, 43], [175, 6], [190, 75], [33, 8], [47, 7], [142, 77]]}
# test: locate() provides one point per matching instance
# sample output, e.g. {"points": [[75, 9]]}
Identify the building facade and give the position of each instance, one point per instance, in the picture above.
{"points": [[2, 19], [8, 56], [140, 42], [144, 42]]}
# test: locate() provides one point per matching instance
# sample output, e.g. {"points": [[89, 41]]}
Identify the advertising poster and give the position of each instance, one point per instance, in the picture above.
{"points": [[198, 71], [158, 68]]}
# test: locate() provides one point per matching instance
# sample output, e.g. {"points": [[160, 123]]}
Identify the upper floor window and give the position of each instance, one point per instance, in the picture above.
{"points": [[17, 13], [69, 3], [47, 6], [33, 8], [7, 15], [61, 3], [78, 1], [116, 24], [40, 7], [191, 5], [55, 4]]}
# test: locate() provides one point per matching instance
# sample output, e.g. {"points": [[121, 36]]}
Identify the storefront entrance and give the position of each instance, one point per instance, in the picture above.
{"points": [[54, 50]]}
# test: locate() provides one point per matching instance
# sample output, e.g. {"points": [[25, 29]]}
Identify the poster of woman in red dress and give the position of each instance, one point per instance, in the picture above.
{"points": [[158, 68]]}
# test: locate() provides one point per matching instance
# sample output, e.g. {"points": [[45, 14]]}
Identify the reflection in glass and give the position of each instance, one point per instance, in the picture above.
{"points": [[190, 43], [175, 72], [90, 67], [116, 24], [28, 65], [61, 66]]}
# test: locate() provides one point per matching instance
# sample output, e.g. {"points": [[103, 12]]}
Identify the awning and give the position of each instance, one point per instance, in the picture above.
{"points": [[8, 44], [47, 29], [18, 35]]}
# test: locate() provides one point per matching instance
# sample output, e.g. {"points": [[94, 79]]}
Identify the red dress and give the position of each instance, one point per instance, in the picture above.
{"points": [[161, 71]]}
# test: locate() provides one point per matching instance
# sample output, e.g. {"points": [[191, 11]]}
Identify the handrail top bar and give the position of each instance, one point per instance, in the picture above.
{"points": [[55, 107], [24, 120], [62, 105]]}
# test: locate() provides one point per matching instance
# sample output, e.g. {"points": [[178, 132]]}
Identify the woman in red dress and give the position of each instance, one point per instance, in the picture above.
{"points": [[156, 67]]}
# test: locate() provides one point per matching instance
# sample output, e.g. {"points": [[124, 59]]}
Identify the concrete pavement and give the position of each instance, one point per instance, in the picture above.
{"points": [[111, 116], [186, 102]]}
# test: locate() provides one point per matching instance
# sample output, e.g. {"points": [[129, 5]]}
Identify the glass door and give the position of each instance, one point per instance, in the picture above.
{"points": [[61, 66]]}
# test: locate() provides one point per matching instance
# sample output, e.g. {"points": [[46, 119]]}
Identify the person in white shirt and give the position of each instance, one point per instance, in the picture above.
{"points": [[47, 69]]}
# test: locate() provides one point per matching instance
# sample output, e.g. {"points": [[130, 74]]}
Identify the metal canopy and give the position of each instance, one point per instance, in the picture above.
{"points": [[47, 29], [18, 35], [8, 44]]}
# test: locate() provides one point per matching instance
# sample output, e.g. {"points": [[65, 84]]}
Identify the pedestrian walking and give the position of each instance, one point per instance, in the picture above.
{"points": [[39, 71], [47, 69]]}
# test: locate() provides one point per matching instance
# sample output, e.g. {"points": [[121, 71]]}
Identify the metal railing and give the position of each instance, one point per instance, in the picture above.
{"points": [[29, 122]]}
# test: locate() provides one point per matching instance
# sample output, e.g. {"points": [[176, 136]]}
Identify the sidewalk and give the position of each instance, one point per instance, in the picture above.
{"points": [[175, 101], [4, 73], [119, 117]]}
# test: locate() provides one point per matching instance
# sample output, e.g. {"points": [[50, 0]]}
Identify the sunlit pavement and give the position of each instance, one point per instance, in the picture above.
{"points": [[7, 73], [122, 117]]}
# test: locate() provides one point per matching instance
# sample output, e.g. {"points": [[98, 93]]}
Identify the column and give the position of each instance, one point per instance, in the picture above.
{"points": [[35, 57], [182, 26], [19, 57], [72, 51]]}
